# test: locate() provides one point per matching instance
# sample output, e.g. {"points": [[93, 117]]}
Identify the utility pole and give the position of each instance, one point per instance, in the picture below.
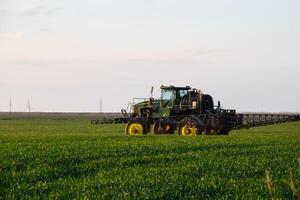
{"points": [[100, 105], [10, 105], [28, 105]]}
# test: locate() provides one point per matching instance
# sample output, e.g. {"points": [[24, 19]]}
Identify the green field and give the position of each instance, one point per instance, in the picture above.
{"points": [[67, 159]]}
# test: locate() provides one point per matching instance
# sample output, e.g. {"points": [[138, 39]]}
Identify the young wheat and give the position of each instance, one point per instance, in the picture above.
{"points": [[268, 182], [292, 185]]}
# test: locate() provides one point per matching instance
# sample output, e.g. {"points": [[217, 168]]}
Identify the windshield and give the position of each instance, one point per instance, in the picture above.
{"points": [[182, 93], [167, 95]]}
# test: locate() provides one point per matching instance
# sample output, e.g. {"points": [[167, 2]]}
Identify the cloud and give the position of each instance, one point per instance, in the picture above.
{"points": [[34, 12], [40, 10], [19, 35], [47, 30], [12, 36], [203, 51], [3, 12]]}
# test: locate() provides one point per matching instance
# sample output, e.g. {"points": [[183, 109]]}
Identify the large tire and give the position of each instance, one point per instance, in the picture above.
{"points": [[159, 128], [223, 132], [135, 129], [212, 131], [190, 126]]}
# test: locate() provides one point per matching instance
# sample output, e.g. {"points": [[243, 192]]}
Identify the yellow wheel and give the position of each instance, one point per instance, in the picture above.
{"points": [[187, 130], [134, 128], [190, 126]]}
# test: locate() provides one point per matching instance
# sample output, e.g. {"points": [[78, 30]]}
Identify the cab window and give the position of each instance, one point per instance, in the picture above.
{"points": [[167, 95], [182, 93]]}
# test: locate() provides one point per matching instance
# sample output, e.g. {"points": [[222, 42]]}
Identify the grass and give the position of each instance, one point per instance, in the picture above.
{"points": [[67, 159], [56, 115]]}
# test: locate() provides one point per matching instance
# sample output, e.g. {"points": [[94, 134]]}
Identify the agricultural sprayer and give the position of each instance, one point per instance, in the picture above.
{"points": [[188, 111]]}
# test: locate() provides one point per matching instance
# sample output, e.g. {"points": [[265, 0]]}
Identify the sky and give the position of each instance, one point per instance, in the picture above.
{"points": [[64, 56]]}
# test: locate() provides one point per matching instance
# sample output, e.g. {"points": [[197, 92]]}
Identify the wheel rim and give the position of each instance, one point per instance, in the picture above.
{"points": [[135, 129], [187, 130]]}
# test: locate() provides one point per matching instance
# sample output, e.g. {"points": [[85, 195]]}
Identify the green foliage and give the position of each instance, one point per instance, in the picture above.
{"points": [[67, 159]]}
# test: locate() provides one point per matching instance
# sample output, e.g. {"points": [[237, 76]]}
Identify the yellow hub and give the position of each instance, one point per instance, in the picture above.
{"points": [[134, 129], [187, 130]]}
